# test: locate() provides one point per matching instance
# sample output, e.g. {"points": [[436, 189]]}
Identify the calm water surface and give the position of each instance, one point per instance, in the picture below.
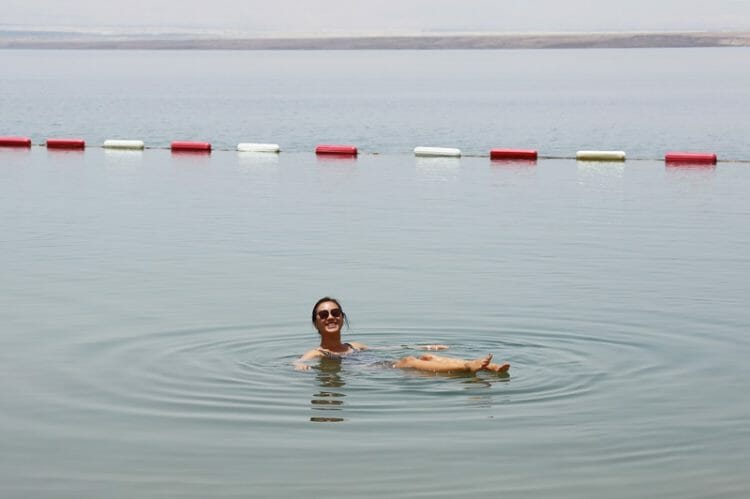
{"points": [[646, 102], [153, 302]]}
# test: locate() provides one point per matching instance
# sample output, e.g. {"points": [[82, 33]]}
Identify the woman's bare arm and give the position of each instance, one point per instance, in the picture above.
{"points": [[299, 364]]}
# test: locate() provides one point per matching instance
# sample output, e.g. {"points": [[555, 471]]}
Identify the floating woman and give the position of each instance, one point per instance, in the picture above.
{"points": [[328, 317]]}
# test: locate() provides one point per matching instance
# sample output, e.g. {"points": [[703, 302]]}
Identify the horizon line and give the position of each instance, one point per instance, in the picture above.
{"points": [[423, 41]]}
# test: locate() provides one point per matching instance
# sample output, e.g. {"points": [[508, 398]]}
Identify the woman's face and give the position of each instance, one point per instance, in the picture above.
{"points": [[326, 320]]}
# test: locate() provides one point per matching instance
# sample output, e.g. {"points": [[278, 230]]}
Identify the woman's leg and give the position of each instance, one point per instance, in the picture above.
{"points": [[428, 361], [438, 364]]}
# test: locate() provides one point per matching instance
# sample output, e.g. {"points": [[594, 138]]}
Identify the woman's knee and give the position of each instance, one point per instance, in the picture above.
{"points": [[405, 362]]}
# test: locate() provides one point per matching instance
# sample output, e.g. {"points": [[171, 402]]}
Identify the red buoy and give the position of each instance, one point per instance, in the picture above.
{"points": [[182, 146], [334, 149], [695, 158], [527, 154], [15, 142], [66, 144]]}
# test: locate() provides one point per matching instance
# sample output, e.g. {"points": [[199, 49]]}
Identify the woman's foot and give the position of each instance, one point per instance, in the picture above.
{"points": [[498, 368], [477, 364]]}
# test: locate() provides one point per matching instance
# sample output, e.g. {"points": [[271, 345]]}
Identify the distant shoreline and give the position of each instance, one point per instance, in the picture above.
{"points": [[33, 40]]}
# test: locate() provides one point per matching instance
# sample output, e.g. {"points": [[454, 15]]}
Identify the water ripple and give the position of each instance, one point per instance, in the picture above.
{"points": [[243, 374]]}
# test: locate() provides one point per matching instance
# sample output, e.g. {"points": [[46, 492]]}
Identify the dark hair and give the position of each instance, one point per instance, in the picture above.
{"points": [[334, 300]]}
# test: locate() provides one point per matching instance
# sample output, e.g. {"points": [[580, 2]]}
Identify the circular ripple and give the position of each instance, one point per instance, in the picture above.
{"points": [[244, 374], [220, 374]]}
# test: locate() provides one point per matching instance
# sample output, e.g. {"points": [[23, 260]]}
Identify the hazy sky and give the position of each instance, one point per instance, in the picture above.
{"points": [[386, 15]]}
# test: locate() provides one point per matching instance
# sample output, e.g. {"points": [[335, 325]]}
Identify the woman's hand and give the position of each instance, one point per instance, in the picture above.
{"points": [[432, 347]]}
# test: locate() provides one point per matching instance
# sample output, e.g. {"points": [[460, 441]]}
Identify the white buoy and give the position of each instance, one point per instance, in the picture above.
{"points": [[443, 152], [251, 147], [600, 155], [123, 144]]}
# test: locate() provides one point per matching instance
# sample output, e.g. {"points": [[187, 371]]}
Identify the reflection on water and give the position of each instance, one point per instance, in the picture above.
{"points": [[247, 159], [513, 163], [328, 377], [682, 165], [438, 167], [190, 158], [123, 158], [480, 388], [690, 171], [336, 159], [600, 174]]}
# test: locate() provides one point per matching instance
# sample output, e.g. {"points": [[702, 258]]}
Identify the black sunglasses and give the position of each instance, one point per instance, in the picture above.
{"points": [[323, 314]]}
